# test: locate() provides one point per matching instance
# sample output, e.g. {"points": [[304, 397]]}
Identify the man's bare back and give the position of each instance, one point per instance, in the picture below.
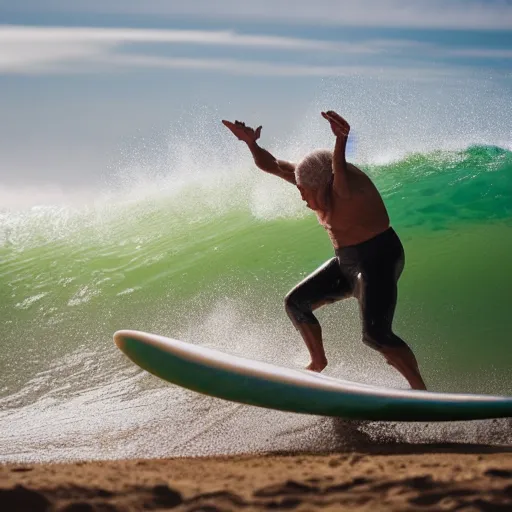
{"points": [[355, 218]]}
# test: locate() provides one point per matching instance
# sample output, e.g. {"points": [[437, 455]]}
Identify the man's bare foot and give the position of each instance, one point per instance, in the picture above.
{"points": [[316, 366]]}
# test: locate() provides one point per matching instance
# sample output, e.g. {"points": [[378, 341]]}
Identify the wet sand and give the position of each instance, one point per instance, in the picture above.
{"points": [[402, 477]]}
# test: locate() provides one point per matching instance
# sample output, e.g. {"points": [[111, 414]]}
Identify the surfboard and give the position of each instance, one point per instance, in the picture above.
{"points": [[246, 381]]}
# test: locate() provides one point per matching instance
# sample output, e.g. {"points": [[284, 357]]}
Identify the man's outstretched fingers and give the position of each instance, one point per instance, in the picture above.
{"points": [[242, 132]]}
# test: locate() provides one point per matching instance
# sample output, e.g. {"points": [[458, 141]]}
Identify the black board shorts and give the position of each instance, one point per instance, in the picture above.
{"points": [[369, 272]]}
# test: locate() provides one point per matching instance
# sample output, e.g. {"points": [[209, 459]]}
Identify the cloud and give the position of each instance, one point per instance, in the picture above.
{"points": [[484, 53], [36, 50], [257, 68], [26, 49], [440, 14], [13, 34], [29, 49], [27, 57]]}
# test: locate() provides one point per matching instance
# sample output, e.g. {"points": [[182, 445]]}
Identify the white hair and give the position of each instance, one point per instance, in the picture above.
{"points": [[314, 171]]}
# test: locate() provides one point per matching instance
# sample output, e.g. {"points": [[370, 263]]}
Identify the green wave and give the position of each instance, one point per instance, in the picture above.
{"points": [[163, 262]]}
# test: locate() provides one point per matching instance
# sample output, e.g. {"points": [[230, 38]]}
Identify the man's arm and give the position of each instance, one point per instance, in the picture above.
{"points": [[262, 158], [268, 163], [339, 165], [341, 129]]}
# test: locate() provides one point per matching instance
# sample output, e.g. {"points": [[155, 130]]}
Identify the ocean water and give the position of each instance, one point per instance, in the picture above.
{"points": [[208, 257]]}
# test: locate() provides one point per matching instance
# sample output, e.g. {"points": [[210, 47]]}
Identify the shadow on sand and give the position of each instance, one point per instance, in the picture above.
{"points": [[375, 438]]}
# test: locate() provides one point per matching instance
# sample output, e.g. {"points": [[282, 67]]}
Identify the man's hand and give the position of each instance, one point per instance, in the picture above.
{"points": [[339, 126], [242, 132]]}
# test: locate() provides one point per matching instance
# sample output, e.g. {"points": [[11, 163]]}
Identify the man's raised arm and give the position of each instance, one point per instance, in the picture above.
{"points": [[262, 158], [341, 129]]}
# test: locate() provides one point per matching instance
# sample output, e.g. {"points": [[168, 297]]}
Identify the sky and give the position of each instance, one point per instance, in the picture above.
{"points": [[89, 87]]}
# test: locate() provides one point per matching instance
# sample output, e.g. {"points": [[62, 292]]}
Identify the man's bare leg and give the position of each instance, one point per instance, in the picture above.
{"points": [[402, 358], [324, 286], [312, 336]]}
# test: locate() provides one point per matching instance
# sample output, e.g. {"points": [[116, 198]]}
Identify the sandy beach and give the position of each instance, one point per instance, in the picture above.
{"points": [[405, 477]]}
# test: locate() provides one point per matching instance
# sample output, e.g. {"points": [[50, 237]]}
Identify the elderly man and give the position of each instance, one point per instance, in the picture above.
{"points": [[369, 256]]}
